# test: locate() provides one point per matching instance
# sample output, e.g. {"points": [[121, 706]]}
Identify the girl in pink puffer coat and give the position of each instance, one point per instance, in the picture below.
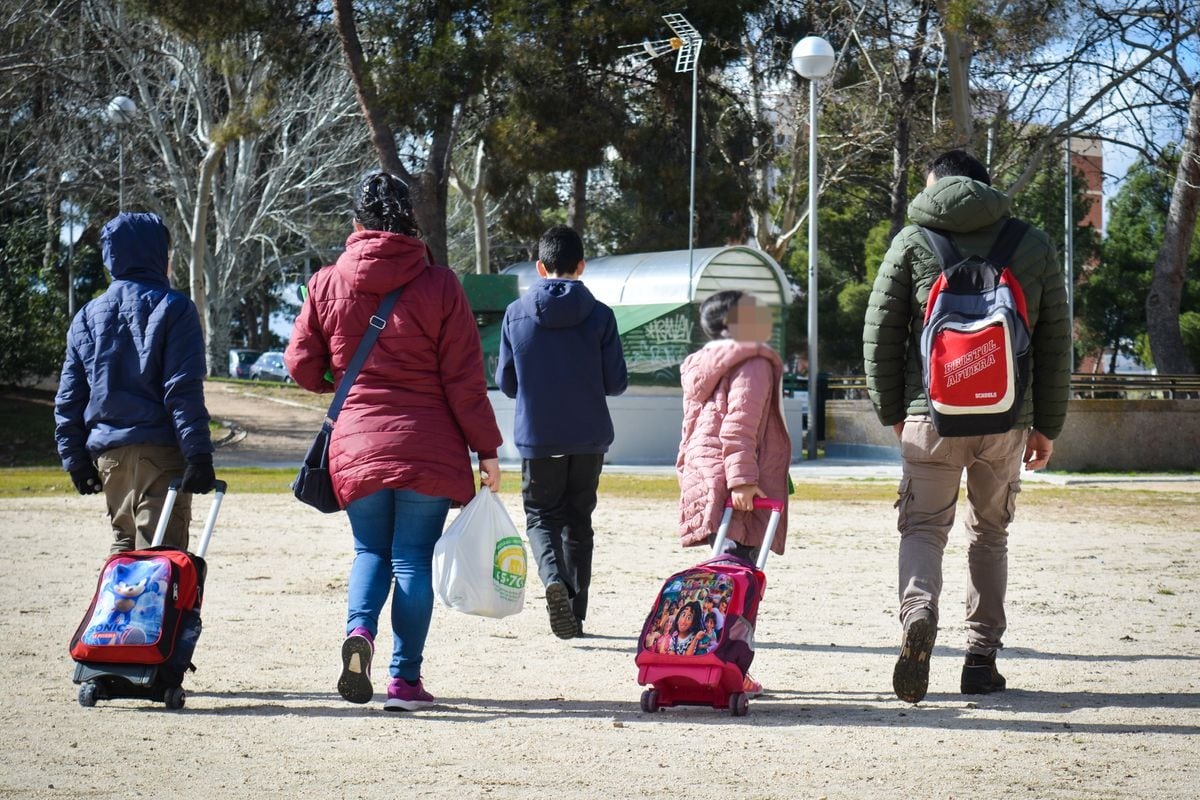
{"points": [[735, 441]]}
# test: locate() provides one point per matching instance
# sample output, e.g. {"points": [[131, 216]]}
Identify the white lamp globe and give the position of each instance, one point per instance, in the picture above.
{"points": [[120, 110], [813, 57]]}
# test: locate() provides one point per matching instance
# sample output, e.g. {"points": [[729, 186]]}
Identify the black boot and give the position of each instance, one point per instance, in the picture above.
{"points": [[910, 678], [980, 676]]}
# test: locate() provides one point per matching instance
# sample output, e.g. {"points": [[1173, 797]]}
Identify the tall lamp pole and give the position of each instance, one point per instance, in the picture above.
{"points": [[120, 111], [686, 42], [813, 58]]}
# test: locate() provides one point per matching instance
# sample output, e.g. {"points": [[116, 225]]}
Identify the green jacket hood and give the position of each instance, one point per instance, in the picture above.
{"points": [[959, 205]]}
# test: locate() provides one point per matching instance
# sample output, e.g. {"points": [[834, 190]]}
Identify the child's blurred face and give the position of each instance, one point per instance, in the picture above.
{"points": [[748, 321]]}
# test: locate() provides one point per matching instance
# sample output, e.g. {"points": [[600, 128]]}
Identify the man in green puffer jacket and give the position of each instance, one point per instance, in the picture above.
{"points": [[958, 198]]}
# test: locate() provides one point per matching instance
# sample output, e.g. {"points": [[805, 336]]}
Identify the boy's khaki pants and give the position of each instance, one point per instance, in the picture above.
{"points": [[135, 481], [933, 468]]}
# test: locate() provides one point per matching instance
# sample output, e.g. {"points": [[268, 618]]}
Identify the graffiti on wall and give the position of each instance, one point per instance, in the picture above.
{"points": [[655, 350]]}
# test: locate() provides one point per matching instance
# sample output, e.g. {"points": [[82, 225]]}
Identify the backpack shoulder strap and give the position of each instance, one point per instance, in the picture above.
{"points": [[942, 246], [1006, 242]]}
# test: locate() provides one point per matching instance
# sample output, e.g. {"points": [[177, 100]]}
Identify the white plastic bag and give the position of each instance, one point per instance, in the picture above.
{"points": [[479, 564]]}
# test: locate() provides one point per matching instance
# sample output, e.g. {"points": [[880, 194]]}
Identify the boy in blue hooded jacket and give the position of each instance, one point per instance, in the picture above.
{"points": [[129, 414], [560, 356]]}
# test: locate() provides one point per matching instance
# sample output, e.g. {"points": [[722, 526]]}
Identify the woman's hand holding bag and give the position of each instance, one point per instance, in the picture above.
{"points": [[479, 564]]}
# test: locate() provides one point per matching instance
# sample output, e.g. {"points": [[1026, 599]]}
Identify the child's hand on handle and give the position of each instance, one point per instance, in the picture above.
{"points": [[743, 496], [489, 473]]}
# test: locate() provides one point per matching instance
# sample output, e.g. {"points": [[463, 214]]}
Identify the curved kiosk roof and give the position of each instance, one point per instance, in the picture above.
{"points": [[645, 279]]}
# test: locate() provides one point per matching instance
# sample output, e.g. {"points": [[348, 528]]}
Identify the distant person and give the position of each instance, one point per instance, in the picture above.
{"points": [[959, 199], [735, 443], [129, 414], [400, 451], [560, 357]]}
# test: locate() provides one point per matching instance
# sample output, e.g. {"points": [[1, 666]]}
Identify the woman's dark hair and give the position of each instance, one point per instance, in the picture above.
{"points": [[382, 203], [714, 312], [697, 623]]}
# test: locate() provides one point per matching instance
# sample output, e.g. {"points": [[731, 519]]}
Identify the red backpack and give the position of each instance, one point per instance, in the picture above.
{"points": [[976, 342]]}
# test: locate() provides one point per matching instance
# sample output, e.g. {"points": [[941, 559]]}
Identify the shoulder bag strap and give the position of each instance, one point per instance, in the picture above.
{"points": [[360, 355]]}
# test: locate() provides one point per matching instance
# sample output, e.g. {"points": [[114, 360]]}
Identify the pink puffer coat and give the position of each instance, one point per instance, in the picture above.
{"points": [[734, 434]]}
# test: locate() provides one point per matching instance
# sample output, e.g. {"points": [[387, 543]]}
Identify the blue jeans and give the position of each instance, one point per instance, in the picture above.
{"points": [[394, 534]]}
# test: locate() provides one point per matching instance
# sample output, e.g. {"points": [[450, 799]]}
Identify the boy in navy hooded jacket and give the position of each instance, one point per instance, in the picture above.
{"points": [[560, 356], [130, 414]]}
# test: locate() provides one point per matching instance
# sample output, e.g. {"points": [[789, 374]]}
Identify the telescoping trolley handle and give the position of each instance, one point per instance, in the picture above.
{"points": [[776, 507], [160, 532]]}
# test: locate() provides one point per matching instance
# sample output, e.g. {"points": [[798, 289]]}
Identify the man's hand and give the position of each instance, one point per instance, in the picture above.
{"points": [[899, 429], [199, 477], [87, 480], [1038, 448]]}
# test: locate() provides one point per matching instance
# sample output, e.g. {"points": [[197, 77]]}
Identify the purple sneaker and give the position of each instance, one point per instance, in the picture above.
{"points": [[355, 682], [403, 697]]}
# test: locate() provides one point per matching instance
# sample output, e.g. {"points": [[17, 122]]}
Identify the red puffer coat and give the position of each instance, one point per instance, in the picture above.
{"points": [[734, 434], [420, 401]]}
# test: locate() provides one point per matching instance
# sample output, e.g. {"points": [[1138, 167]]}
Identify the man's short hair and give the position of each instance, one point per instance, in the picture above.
{"points": [[560, 250], [958, 162]]}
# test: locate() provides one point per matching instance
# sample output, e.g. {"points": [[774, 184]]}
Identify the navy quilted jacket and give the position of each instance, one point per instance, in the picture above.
{"points": [[134, 369]]}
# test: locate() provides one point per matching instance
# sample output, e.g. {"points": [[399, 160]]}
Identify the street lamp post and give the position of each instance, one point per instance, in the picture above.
{"points": [[813, 58], [120, 111]]}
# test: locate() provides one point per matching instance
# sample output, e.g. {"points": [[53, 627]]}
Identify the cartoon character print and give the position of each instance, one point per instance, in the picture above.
{"points": [[131, 611], [690, 615]]}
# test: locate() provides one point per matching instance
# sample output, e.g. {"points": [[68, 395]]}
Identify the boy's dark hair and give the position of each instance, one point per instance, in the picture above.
{"points": [[714, 312], [382, 203], [560, 250], [958, 162]]}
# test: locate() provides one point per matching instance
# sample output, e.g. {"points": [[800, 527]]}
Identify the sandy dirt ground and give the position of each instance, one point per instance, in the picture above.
{"points": [[1102, 657]]}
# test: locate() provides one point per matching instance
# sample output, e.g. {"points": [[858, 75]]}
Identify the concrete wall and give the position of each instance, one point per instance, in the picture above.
{"points": [[647, 423], [1105, 435]]}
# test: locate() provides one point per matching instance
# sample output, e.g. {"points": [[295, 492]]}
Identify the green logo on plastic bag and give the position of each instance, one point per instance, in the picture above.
{"points": [[508, 567]]}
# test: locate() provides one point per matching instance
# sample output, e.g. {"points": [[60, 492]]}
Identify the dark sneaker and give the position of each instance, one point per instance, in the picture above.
{"points": [[562, 618], [355, 681], [404, 696], [910, 679], [980, 676]]}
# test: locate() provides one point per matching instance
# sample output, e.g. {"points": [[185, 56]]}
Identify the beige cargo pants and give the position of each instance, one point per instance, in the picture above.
{"points": [[933, 469], [135, 481]]}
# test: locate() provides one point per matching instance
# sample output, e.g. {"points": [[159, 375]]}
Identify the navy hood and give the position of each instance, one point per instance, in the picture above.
{"points": [[135, 247], [558, 302]]}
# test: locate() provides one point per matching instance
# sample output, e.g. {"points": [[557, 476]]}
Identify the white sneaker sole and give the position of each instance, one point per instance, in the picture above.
{"points": [[406, 705]]}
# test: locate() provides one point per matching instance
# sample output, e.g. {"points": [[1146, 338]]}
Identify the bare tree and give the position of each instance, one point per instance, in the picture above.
{"points": [[241, 147]]}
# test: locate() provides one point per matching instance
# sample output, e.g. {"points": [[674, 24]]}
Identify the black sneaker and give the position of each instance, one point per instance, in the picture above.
{"points": [[980, 676], [562, 618], [910, 679]]}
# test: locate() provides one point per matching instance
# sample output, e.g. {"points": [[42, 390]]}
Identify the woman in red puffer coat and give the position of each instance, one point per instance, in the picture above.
{"points": [[399, 452]]}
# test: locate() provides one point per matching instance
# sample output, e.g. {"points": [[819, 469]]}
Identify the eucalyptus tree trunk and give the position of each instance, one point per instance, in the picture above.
{"points": [[1166, 287]]}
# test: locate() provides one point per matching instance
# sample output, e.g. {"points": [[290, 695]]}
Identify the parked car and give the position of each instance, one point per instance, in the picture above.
{"points": [[240, 360], [269, 367]]}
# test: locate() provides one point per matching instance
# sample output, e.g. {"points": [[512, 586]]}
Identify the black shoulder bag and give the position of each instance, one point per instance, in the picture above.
{"points": [[314, 484]]}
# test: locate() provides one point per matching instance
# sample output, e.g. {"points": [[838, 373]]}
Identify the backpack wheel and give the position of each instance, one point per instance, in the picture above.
{"points": [[739, 704], [650, 701], [87, 694], [175, 697]]}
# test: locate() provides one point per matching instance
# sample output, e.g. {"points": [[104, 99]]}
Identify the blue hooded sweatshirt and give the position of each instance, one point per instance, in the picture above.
{"points": [[134, 369], [560, 355]]}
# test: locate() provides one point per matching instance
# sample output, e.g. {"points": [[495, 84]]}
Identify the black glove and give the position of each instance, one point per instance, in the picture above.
{"points": [[87, 480], [199, 477]]}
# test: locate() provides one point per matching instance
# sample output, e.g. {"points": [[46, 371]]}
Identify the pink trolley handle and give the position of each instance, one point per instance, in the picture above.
{"points": [[776, 507]]}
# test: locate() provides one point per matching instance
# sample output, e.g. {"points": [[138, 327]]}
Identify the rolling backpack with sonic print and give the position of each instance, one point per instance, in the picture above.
{"points": [[976, 342]]}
